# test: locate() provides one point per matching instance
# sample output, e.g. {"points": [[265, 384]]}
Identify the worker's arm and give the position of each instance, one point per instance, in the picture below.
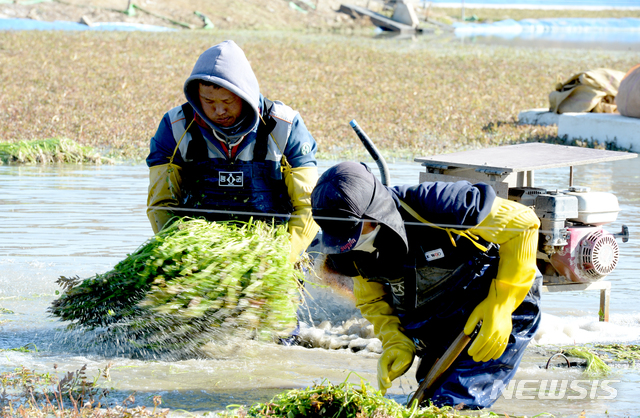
{"points": [[515, 228], [397, 349], [300, 182], [300, 174], [164, 176], [164, 192]]}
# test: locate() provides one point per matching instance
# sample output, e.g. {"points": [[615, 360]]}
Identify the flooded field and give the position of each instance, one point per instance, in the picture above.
{"points": [[81, 220]]}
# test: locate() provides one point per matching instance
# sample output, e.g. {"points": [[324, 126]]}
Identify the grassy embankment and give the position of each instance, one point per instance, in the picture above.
{"points": [[110, 90]]}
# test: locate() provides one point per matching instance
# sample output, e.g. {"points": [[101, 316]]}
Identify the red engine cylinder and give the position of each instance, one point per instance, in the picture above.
{"points": [[591, 253]]}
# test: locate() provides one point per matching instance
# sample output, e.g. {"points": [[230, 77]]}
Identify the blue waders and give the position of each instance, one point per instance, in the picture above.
{"points": [[474, 385]]}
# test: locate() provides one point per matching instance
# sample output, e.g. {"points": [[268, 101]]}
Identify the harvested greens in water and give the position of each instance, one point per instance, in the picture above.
{"points": [[345, 400], [193, 282]]}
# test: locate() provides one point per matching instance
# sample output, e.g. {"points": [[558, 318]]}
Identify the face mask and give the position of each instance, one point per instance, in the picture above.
{"points": [[365, 242]]}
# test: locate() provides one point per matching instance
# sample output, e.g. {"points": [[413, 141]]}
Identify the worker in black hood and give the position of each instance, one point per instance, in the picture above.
{"points": [[230, 153], [429, 261]]}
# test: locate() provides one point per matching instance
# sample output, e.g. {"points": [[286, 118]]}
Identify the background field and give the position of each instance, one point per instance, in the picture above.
{"points": [[421, 96], [315, 15]]}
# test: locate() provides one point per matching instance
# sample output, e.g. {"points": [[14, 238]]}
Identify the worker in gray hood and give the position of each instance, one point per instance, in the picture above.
{"points": [[429, 261], [230, 153], [223, 70]]}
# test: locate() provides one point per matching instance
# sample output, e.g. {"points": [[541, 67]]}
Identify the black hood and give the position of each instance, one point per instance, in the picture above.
{"points": [[348, 194]]}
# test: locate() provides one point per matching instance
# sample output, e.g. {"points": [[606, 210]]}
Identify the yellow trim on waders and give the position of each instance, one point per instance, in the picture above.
{"points": [[179, 141], [284, 164], [471, 237]]}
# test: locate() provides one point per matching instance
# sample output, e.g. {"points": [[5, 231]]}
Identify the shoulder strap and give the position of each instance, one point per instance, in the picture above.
{"points": [[265, 127], [465, 233], [197, 149]]}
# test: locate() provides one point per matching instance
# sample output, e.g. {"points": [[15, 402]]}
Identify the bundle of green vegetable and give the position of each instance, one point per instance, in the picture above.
{"points": [[193, 282]]}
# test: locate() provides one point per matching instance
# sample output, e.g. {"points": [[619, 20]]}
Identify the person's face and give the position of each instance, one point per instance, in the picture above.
{"points": [[368, 227], [220, 105]]}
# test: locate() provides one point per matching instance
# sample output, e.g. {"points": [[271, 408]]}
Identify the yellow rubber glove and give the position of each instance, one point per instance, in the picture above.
{"points": [[515, 228], [300, 182], [164, 191], [397, 349]]}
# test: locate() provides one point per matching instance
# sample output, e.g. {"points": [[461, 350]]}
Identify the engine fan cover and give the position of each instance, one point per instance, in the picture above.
{"points": [[599, 254], [591, 253]]}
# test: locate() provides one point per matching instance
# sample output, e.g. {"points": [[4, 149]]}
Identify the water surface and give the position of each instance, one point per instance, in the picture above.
{"points": [[81, 220]]}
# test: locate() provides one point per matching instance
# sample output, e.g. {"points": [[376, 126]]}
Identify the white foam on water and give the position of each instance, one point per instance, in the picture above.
{"points": [[561, 330]]}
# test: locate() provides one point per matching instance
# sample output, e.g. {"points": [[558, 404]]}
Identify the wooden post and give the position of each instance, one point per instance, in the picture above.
{"points": [[570, 176], [605, 297]]}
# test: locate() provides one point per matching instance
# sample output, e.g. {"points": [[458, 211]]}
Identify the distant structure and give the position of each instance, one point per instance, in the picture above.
{"points": [[405, 13], [404, 19]]}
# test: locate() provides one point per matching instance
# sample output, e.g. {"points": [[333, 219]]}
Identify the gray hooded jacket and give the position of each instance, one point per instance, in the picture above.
{"points": [[227, 66]]}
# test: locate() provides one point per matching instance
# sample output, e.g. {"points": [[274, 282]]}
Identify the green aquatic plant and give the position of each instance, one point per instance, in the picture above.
{"points": [[23, 384], [27, 393], [595, 365], [43, 151], [193, 282], [27, 348], [620, 352], [595, 353], [4, 311], [344, 400]]}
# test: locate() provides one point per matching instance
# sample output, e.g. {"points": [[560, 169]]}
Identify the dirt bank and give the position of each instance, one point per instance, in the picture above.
{"points": [[224, 14]]}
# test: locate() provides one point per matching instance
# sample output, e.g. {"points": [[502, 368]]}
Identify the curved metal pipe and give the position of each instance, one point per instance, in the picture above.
{"points": [[371, 148], [561, 355]]}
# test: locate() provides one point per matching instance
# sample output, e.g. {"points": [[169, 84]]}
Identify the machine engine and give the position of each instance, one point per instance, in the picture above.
{"points": [[573, 245]]}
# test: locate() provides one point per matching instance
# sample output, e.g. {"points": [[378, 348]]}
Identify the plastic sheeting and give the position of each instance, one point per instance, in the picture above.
{"points": [[559, 29], [29, 24]]}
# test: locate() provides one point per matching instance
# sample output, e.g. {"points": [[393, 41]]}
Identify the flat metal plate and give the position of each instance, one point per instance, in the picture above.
{"points": [[525, 157]]}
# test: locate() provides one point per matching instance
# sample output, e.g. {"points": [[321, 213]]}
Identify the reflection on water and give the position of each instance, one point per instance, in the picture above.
{"points": [[612, 44], [82, 220], [597, 42], [72, 210]]}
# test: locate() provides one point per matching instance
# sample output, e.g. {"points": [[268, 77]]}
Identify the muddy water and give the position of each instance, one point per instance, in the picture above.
{"points": [[75, 220]]}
